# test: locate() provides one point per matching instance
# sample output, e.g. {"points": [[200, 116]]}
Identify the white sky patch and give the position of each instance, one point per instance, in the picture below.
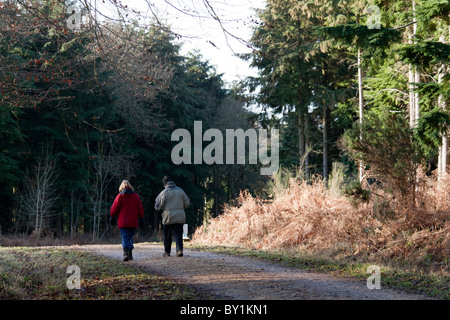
{"points": [[194, 21]]}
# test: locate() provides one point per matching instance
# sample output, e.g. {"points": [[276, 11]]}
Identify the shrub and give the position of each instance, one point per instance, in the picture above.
{"points": [[356, 193], [309, 217]]}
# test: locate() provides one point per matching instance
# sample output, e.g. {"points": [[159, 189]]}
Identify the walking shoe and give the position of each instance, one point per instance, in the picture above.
{"points": [[130, 255], [165, 254], [125, 255], [179, 253]]}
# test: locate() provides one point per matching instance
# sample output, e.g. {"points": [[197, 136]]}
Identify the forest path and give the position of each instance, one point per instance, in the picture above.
{"points": [[238, 278]]}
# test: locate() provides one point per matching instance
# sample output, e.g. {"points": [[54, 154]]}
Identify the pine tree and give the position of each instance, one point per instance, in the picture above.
{"points": [[399, 60], [295, 74]]}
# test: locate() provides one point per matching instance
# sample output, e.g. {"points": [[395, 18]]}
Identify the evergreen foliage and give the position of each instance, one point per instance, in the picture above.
{"points": [[309, 49], [102, 105]]}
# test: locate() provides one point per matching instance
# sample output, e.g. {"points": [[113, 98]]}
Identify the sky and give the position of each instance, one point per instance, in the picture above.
{"points": [[192, 19]]}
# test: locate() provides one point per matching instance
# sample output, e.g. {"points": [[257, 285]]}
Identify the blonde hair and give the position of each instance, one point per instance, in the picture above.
{"points": [[125, 184]]}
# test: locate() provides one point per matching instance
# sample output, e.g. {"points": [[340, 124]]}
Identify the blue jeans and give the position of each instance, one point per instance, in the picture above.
{"points": [[127, 238]]}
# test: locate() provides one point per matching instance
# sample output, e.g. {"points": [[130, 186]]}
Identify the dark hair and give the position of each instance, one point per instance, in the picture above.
{"points": [[166, 179]]}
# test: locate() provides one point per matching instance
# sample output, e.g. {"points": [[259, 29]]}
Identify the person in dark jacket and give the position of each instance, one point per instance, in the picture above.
{"points": [[172, 201], [128, 212]]}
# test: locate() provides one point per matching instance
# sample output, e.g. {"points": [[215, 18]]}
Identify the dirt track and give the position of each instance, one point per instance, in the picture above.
{"points": [[238, 278]]}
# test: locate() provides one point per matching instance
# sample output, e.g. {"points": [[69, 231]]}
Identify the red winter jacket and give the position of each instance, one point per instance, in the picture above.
{"points": [[127, 209]]}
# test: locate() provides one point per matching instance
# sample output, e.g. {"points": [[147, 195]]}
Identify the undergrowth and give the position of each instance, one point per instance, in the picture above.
{"points": [[308, 217]]}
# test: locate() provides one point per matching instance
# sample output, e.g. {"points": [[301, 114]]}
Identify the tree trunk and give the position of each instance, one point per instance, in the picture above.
{"points": [[412, 103], [326, 116], [229, 184], [216, 192], [442, 160], [414, 77], [416, 73], [414, 108], [416, 98], [301, 135], [306, 148], [361, 107], [443, 148]]}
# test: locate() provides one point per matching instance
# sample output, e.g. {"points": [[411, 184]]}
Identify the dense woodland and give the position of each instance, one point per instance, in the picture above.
{"points": [[330, 66], [82, 110]]}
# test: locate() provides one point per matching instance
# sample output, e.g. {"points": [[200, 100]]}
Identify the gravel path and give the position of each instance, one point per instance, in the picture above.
{"points": [[239, 278]]}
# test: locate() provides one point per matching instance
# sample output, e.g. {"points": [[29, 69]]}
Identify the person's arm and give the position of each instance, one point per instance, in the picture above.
{"points": [[115, 208], [159, 202], [186, 200]]}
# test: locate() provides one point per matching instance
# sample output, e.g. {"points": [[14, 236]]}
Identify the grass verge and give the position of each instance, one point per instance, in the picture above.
{"points": [[42, 274], [413, 281]]}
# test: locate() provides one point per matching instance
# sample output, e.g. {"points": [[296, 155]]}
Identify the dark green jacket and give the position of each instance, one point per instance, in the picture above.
{"points": [[172, 201]]}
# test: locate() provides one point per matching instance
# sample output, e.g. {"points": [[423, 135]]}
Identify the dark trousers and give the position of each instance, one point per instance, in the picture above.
{"points": [[176, 231], [127, 238]]}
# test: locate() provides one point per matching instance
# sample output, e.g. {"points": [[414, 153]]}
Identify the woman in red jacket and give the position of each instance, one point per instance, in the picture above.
{"points": [[127, 210]]}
